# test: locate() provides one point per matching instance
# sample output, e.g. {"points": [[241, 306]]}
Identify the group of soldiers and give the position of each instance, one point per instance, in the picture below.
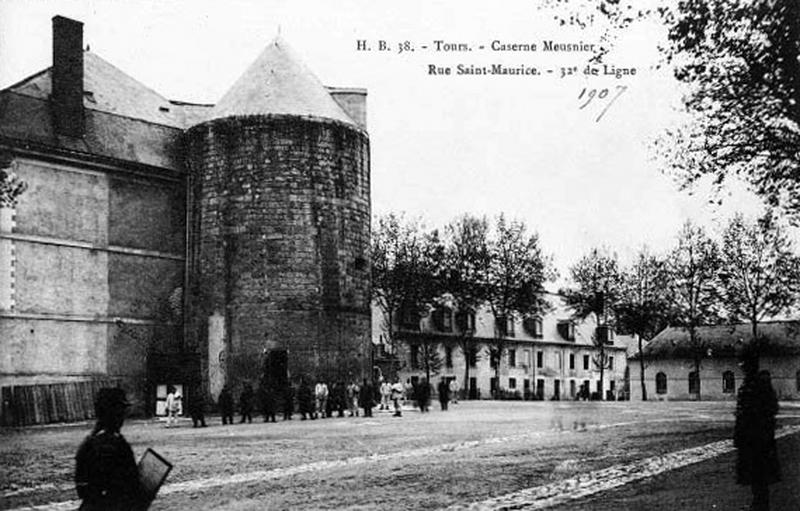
{"points": [[320, 401], [323, 400]]}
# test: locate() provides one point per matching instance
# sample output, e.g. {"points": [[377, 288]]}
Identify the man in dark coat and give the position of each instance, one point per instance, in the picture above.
{"points": [[366, 398], [267, 398], [305, 400], [754, 433], [443, 389], [106, 475], [423, 395], [226, 405], [288, 401], [197, 405], [246, 403]]}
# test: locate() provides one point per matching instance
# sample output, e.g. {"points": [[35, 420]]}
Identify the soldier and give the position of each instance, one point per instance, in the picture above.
{"points": [[172, 406], [197, 408], [424, 395], [386, 392], [444, 394], [288, 401], [246, 403], [397, 395], [226, 405], [305, 400], [366, 398], [106, 476], [321, 396], [352, 399], [754, 432], [267, 396]]}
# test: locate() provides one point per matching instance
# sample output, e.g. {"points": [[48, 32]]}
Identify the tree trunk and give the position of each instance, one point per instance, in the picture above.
{"points": [[465, 349], [641, 370]]}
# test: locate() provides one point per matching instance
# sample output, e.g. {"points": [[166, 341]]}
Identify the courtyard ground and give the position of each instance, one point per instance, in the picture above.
{"points": [[478, 455]]}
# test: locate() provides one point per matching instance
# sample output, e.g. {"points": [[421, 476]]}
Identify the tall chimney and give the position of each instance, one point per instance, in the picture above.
{"points": [[67, 77]]}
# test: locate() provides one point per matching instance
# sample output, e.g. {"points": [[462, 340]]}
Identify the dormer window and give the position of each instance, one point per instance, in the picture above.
{"points": [[443, 319], [533, 325], [566, 329], [505, 326], [605, 334], [465, 320]]}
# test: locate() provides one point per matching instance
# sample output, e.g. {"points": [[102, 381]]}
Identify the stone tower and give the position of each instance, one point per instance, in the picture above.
{"points": [[279, 226]]}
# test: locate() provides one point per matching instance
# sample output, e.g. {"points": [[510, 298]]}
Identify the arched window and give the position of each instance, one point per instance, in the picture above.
{"points": [[728, 382], [694, 383], [661, 383]]}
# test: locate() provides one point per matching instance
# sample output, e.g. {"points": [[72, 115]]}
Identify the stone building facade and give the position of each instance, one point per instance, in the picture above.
{"points": [[159, 241], [670, 367], [547, 357]]}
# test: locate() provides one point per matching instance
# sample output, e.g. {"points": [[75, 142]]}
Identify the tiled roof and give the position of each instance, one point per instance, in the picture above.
{"points": [[278, 83], [109, 90], [778, 337]]}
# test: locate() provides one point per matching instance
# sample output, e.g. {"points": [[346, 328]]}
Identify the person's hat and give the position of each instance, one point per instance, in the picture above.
{"points": [[108, 399]]}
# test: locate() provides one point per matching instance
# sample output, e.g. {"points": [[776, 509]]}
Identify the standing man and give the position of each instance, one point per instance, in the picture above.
{"points": [[366, 398], [397, 394], [443, 389], [754, 432], [171, 405], [267, 395], [424, 395], [226, 404], [321, 397], [246, 403], [386, 392], [454, 391], [305, 400], [288, 401], [106, 475], [197, 405]]}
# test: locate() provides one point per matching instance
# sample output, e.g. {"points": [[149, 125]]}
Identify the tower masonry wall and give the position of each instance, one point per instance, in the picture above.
{"points": [[279, 237]]}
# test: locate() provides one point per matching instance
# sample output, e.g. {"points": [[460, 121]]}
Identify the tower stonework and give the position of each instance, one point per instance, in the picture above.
{"points": [[279, 226]]}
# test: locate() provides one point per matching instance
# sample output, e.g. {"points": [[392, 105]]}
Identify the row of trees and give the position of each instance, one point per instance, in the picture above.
{"points": [[750, 273], [471, 263]]}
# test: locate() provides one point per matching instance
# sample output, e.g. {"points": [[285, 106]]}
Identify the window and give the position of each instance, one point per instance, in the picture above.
{"points": [[448, 357], [797, 377], [694, 383], [465, 321], [728, 382], [572, 389], [494, 358], [566, 329], [558, 359], [611, 363], [512, 358], [472, 356], [512, 383], [533, 325], [540, 388], [586, 362], [493, 385], [442, 318], [605, 334], [414, 357], [505, 326], [539, 359], [526, 354], [409, 318], [661, 383], [572, 361]]}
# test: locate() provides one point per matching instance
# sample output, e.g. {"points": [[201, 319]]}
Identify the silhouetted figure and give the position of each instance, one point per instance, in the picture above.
{"points": [[106, 475], [754, 433], [443, 390], [246, 403], [288, 401], [305, 400], [267, 398], [366, 398], [226, 405], [197, 407], [424, 395]]}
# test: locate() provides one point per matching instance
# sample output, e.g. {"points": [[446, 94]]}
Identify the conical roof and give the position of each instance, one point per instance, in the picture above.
{"points": [[278, 83]]}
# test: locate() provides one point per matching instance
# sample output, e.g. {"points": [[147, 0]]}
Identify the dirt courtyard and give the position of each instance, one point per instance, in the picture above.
{"points": [[477, 455]]}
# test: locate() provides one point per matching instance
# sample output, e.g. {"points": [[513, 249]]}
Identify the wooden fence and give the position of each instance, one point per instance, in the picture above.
{"points": [[24, 405]]}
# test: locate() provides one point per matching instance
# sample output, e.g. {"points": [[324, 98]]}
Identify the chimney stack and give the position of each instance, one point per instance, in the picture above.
{"points": [[67, 77]]}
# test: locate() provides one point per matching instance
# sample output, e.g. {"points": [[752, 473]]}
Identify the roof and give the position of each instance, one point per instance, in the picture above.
{"points": [[278, 83], [778, 337], [109, 90]]}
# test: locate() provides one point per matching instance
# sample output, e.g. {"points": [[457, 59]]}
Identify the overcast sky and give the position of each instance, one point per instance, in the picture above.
{"points": [[441, 145]]}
